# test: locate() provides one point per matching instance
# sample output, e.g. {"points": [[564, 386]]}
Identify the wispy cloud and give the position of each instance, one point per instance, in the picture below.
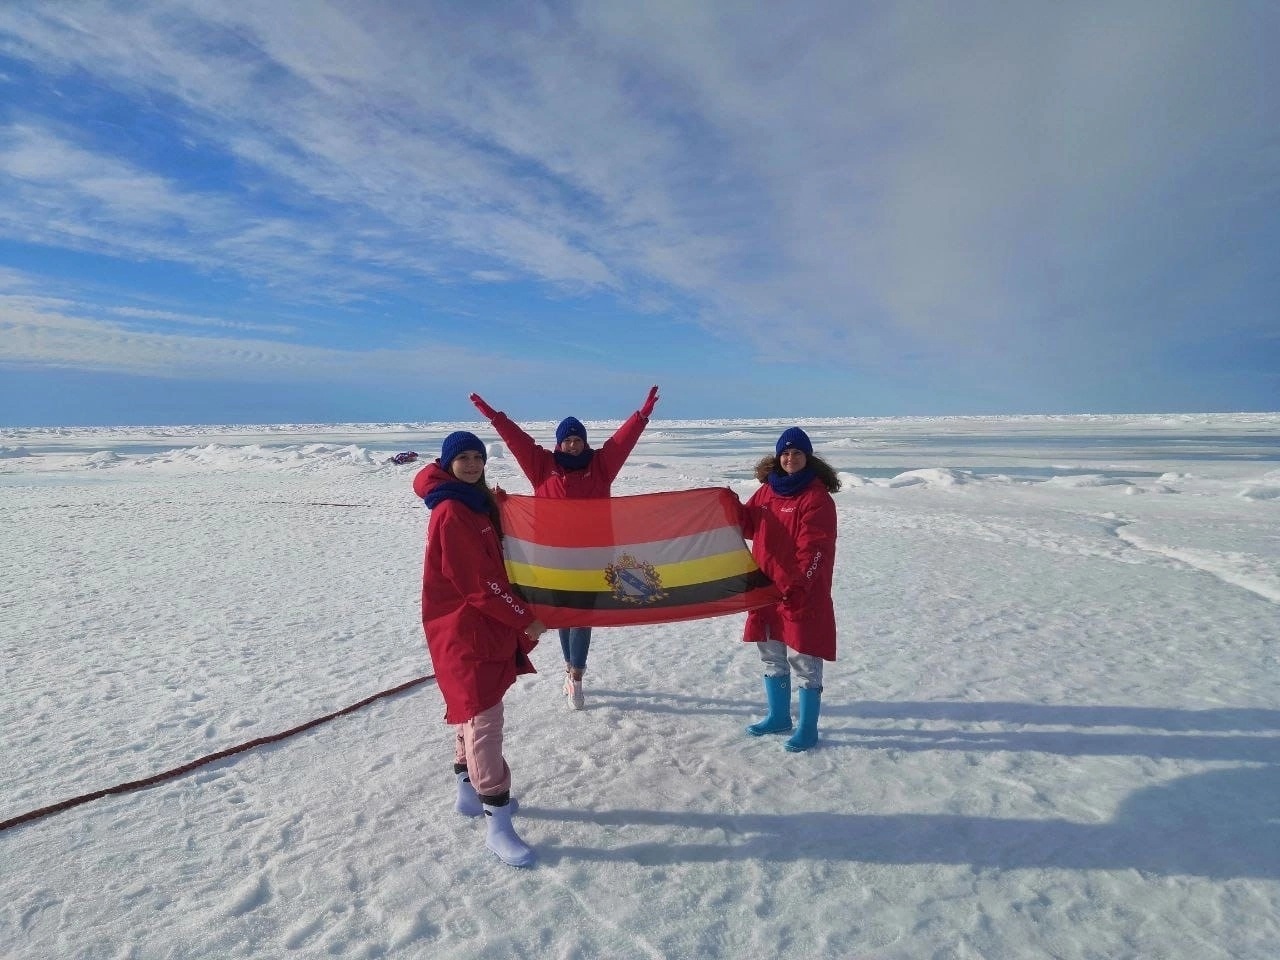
{"points": [[168, 316], [65, 333], [982, 194]]}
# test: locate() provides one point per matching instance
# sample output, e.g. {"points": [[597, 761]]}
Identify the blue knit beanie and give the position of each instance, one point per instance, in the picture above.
{"points": [[460, 442], [570, 427], [795, 439]]}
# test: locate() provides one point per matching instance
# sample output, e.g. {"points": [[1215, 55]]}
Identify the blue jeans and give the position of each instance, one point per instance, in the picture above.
{"points": [[575, 642]]}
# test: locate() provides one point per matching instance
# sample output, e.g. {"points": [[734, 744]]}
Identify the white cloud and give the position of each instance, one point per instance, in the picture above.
{"points": [[170, 316], [857, 183], [62, 333]]}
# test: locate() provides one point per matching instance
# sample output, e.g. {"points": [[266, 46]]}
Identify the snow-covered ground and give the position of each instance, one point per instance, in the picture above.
{"points": [[1053, 730]]}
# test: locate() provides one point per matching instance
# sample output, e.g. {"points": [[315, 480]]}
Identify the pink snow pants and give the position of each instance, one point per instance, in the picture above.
{"points": [[478, 744]]}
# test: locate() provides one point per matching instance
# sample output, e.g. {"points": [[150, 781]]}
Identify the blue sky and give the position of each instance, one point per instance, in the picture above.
{"points": [[299, 210]]}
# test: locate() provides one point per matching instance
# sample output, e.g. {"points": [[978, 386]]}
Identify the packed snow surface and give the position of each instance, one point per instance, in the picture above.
{"points": [[1053, 729]]}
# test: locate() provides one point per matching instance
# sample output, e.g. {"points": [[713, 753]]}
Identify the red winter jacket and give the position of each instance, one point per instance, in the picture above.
{"points": [[793, 540], [549, 479], [473, 620]]}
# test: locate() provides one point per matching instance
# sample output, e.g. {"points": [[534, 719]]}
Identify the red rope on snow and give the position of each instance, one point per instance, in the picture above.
{"points": [[188, 767]]}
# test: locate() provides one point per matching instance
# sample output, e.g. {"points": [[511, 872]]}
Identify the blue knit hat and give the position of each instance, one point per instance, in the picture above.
{"points": [[570, 427], [459, 442], [795, 439]]}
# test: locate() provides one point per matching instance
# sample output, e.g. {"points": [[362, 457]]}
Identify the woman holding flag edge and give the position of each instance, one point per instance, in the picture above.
{"points": [[791, 523], [479, 632]]}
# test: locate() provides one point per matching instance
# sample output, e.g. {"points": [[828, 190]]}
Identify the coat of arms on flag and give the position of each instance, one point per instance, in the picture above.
{"points": [[634, 581], [650, 558]]}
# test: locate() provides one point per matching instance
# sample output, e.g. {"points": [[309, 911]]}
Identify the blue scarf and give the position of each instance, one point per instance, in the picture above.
{"points": [[789, 484], [473, 497], [580, 462]]}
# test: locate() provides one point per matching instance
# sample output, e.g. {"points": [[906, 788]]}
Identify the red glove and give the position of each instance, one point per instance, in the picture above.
{"points": [[488, 411], [795, 601], [646, 408]]}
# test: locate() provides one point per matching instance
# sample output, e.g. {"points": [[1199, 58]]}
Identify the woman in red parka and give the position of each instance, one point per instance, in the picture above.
{"points": [[791, 523], [479, 632], [572, 471]]}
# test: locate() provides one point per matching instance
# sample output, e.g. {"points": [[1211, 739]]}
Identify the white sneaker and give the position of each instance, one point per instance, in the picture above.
{"points": [[573, 690]]}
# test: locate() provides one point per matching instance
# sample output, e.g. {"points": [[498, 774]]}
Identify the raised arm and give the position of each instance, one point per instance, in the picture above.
{"points": [[646, 408], [486, 411], [618, 447], [535, 461]]}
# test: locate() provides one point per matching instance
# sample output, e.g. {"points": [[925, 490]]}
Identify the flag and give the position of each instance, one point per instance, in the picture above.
{"points": [[616, 561]]}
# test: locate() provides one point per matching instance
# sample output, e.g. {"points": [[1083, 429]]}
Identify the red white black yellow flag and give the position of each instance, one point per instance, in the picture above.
{"points": [[651, 558]]}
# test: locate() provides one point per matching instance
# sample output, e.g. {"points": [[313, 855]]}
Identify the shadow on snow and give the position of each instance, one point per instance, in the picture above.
{"points": [[1218, 824]]}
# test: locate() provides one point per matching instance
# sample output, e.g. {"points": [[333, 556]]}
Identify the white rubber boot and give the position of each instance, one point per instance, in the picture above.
{"points": [[502, 838], [468, 802]]}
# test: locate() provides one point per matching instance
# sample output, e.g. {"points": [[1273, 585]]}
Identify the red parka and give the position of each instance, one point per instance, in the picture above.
{"points": [[793, 540], [549, 479], [473, 620]]}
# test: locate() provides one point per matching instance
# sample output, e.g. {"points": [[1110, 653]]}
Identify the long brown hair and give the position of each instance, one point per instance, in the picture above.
{"points": [[769, 464], [482, 484], [494, 513]]}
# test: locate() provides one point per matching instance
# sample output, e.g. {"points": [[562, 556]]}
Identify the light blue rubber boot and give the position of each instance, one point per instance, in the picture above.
{"points": [[778, 692], [806, 734]]}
